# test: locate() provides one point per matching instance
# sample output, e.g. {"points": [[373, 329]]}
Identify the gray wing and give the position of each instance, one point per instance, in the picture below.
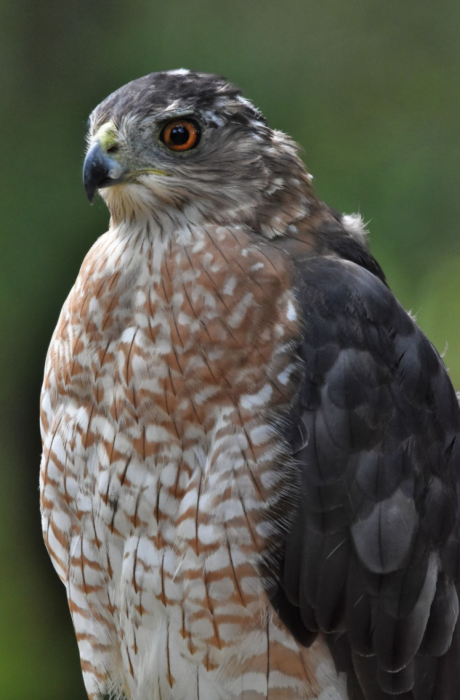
{"points": [[372, 556]]}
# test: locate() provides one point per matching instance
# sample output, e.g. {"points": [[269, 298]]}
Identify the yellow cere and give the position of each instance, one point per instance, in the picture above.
{"points": [[107, 135]]}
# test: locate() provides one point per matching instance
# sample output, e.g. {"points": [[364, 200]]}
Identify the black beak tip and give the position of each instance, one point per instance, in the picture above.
{"points": [[95, 171], [90, 192]]}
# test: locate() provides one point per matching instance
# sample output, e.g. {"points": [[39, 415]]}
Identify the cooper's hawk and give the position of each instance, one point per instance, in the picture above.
{"points": [[250, 468]]}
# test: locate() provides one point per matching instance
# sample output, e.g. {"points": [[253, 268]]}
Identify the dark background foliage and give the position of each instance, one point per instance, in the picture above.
{"points": [[371, 89]]}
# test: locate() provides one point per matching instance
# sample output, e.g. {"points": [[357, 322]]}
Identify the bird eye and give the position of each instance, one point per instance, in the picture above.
{"points": [[181, 135]]}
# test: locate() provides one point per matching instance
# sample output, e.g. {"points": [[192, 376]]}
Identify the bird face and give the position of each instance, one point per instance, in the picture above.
{"points": [[178, 140]]}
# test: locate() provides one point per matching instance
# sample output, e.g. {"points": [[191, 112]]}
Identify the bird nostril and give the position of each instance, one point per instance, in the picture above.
{"points": [[113, 149]]}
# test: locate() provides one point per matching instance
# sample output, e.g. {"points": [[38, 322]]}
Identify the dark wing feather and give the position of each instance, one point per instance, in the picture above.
{"points": [[372, 557]]}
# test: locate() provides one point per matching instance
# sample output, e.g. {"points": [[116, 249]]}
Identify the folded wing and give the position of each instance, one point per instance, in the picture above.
{"points": [[372, 558]]}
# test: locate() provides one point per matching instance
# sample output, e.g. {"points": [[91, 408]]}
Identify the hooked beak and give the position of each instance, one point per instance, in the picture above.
{"points": [[100, 170]]}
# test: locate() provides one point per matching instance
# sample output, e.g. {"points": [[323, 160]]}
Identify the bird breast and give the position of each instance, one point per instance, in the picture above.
{"points": [[167, 367]]}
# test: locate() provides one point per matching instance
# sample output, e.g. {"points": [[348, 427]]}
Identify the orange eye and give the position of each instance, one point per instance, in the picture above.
{"points": [[181, 135]]}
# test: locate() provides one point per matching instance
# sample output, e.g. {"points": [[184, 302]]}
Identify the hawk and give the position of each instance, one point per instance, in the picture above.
{"points": [[249, 483]]}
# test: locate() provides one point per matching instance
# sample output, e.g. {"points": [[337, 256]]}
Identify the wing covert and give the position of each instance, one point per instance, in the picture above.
{"points": [[372, 557]]}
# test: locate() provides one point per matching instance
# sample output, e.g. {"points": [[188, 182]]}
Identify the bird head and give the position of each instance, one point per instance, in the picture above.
{"points": [[181, 142]]}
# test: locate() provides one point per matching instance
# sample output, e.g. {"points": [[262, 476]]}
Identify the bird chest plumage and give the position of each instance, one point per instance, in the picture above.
{"points": [[167, 369]]}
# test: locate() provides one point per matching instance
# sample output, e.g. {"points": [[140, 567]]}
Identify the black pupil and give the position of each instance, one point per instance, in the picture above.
{"points": [[179, 135]]}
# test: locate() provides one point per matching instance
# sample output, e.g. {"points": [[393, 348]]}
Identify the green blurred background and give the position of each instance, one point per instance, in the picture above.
{"points": [[370, 88]]}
